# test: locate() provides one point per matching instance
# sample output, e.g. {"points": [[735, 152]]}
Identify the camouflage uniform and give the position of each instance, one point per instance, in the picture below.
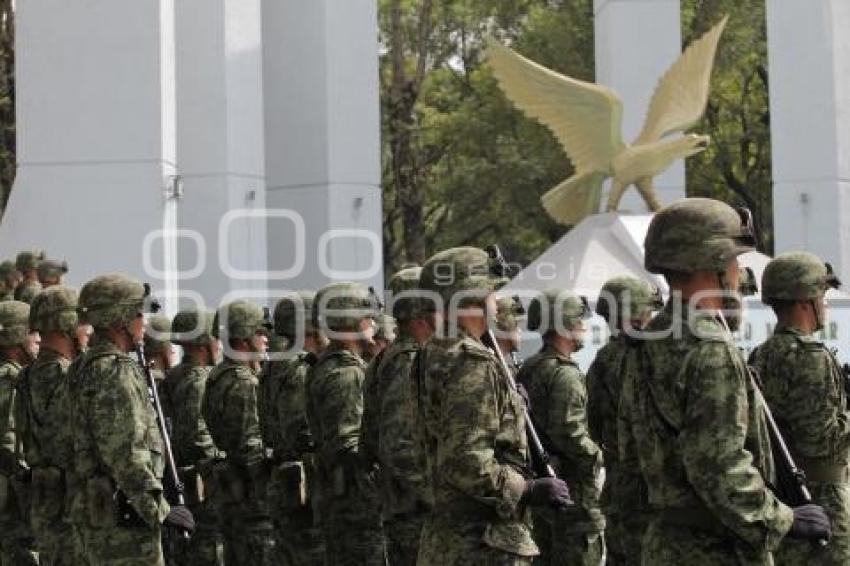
{"points": [[804, 385], [689, 415], [230, 409], [471, 428], [349, 507], [48, 441], [8, 274], [50, 272], [388, 433], [118, 503], [27, 261], [293, 491], [558, 397], [194, 451], [16, 542], [624, 493]]}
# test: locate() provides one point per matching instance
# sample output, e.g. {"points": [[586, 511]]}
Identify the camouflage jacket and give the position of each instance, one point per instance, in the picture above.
{"points": [[290, 433], [804, 386], [230, 410], [388, 434], [27, 291], [11, 451], [114, 428], [690, 416], [181, 395], [45, 411], [335, 404], [624, 489], [558, 398], [471, 426], [7, 296]]}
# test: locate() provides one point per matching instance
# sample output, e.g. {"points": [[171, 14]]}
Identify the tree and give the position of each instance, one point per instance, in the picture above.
{"points": [[7, 101]]}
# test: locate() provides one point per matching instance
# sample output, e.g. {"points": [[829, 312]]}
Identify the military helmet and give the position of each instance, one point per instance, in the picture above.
{"points": [[627, 298], [385, 328], [697, 234], [339, 307], [55, 310], [509, 313], [29, 259], [555, 309], [7, 270], [14, 323], [113, 299], [50, 268], [797, 276], [192, 327], [292, 311], [461, 274], [406, 302], [157, 334], [239, 320]]}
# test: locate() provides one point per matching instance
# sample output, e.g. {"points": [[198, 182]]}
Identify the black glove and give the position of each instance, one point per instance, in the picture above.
{"points": [[181, 518], [811, 523], [547, 492]]}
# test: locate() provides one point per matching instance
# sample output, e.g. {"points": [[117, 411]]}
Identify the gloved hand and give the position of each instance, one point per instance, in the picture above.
{"points": [[547, 492], [811, 523], [181, 518]]}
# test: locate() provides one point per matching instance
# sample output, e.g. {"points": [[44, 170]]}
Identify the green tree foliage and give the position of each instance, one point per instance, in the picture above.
{"points": [[474, 168], [7, 101]]}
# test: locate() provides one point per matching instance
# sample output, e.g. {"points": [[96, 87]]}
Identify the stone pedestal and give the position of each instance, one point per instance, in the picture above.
{"points": [[636, 42]]}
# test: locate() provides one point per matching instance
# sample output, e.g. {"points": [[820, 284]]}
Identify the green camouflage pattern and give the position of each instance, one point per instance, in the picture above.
{"points": [[239, 320], [111, 300], [44, 412], [403, 302], [339, 307], [14, 323], [691, 420], [796, 276], [289, 313], [558, 398], [509, 311], [50, 269], [157, 335], [463, 271], [192, 327], [385, 328], [804, 386], [54, 310], [300, 540], [117, 447], [195, 453], [624, 299], [623, 499], [556, 309], [471, 427], [696, 234], [29, 259], [348, 506], [27, 291], [388, 440], [230, 410]]}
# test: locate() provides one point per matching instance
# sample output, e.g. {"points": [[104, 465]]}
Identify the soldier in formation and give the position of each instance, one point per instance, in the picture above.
{"points": [[51, 272], [805, 386], [27, 264]]}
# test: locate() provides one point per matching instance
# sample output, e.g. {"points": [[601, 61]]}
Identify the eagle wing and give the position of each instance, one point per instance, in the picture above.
{"points": [[682, 93]]}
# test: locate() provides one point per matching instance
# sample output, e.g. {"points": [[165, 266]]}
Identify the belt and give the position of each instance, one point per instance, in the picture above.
{"points": [[821, 472], [694, 517]]}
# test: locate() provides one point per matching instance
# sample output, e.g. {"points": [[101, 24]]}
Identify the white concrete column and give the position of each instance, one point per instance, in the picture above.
{"points": [[220, 143], [636, 42], [809, 55], [322, 123], [95, 124]]}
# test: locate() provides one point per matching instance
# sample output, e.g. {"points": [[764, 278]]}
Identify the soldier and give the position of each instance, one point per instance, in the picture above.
{"points": [[231, 412], [558, 397], [194, 450], [118, 500], [44, 414], [471, 426], [293, 490], [388, 433], [626, 304], [510, 310], [350, 515], [50, 272], [805, 387], [385, 335], [689, 415], [27, 264], [16, 351], [159, 352], [9, 278]]}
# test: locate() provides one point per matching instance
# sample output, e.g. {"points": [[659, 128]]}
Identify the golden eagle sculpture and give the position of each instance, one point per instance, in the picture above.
{"points": [[586, 119]]}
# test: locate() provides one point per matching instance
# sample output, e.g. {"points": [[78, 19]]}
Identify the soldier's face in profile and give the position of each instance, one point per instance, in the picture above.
{"points": [[33, 343], [83, 334], [260, 343], [136, 328]]}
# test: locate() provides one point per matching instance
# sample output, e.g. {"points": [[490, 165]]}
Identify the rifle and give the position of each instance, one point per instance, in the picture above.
{"points": [[163, 431]]}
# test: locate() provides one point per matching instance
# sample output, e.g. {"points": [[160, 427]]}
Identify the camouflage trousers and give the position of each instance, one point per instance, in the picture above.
{"points": [[835, 499], [674, 545], [17, 545], [624, 536], [452, 541], [351, 524], [299, 540], [122, 546], [205, 548], [55, 540], [403, 534], [248, 539], [560, 545]]}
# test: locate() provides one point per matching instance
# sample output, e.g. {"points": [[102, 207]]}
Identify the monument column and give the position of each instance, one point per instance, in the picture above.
{"points": [[636, 42], [96, 128], [322, 127], [809, 55]]}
